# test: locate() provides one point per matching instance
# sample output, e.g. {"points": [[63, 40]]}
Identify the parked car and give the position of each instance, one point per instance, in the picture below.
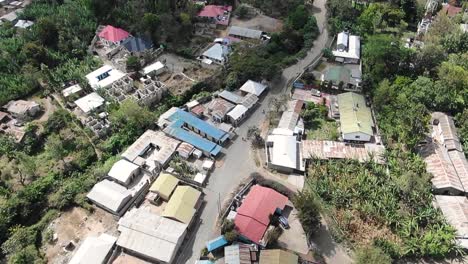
{"points": [[284, 222], [315, 92]]}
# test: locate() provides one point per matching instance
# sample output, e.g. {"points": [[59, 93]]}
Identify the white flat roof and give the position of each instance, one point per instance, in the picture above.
{"points": [[94, 250], [71, 90], [237, 112], [23, 23], [123, 170], [253, 87], [200, 178], [354, 49], [104, 77], [151, 235], [89, 102], [192, 104], [153, 67]]}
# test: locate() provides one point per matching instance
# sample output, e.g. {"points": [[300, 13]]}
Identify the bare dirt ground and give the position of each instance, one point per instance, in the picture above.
{"points": [[181, 73], [75, 225], [259, 22], [47, 105]]}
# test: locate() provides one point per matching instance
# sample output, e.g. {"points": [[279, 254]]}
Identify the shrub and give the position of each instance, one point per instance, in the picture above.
{"points": [[308, 211], [242, 11], [369, 254], [272, 236], [204, 252], [231, 236], [228, 225]]}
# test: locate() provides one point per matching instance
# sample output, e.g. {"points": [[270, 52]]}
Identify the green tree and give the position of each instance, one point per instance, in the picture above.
{"points": [[242, 11], [47, 32], [253, 133], [298, 18], [308, 209], [54, 147], [26, 167], [313, 113], [133, 64], [27, 255], [381, 58], [20, 238], [461, 120]]}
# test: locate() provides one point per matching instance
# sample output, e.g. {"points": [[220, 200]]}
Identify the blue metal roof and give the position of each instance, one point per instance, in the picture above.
{"points": [[199, 124], [138, 44], [176, 130], [216, 243]]}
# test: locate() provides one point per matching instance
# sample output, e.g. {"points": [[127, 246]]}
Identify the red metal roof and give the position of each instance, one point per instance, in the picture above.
{"points": [[253, 216], [214, 11], [113, 34]]}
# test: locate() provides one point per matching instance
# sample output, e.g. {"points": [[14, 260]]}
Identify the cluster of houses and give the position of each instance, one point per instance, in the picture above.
{"points": [[156, 208], [113, 84], [288, 152], [115, 43], [445, 160], [167, 204], [213, 17], [15, 115]]}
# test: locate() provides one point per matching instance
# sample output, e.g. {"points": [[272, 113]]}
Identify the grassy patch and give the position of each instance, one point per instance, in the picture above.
{"points": [[325, 130]]}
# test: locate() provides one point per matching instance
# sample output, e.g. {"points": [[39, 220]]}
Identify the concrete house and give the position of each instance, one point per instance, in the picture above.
{"points": [[113, 36], [23, 110], [217, 54], [348, 48]]}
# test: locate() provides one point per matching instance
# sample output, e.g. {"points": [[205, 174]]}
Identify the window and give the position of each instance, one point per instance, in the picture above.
{"points": [[358, 136]]}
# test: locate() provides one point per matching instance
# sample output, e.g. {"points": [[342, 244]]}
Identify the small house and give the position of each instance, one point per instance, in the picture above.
{"points": [[348, 48], [23, 110], [216, 14], [154, 69], [113, 36], [104, 77], [244, 33], [237, 114], [217, 54], [92, 102], [251, 87]]}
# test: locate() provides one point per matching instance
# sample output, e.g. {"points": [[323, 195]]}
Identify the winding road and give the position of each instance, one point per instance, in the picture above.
{"points": [[238, 163]]}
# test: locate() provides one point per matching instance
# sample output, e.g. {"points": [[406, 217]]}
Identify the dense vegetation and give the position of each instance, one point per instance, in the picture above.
{"points": [[386, 210]]}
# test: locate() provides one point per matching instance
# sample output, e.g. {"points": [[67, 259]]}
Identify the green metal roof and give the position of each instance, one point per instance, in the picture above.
{"points": [[355, 116]]}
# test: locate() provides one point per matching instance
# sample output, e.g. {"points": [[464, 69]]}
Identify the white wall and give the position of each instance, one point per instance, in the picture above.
{"points": [[356, 136]]}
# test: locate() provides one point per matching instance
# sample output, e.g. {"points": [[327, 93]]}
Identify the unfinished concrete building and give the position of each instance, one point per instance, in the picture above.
{"points": [[100, 125], [146, 91]]}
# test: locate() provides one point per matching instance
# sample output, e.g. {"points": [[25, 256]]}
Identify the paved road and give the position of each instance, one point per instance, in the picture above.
{"points": [[238, 163]]}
